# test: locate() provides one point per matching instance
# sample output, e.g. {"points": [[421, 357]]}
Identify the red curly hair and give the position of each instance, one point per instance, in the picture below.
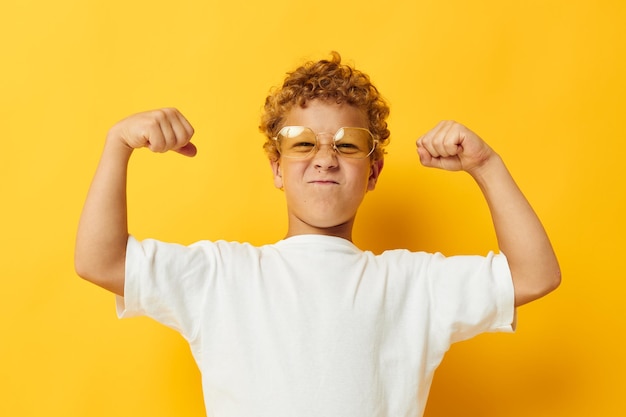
{"points": [[325, 80]]}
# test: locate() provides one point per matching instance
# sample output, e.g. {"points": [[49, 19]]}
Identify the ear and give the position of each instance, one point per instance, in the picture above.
{"points": [[276, 171], [375, 170]]}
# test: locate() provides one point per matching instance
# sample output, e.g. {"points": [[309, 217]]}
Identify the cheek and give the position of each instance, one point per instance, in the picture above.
{"points": [[360, 176], [291, 173]]}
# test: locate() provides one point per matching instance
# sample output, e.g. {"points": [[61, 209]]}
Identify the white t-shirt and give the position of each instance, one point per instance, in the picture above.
{"points": [[312, 325]]}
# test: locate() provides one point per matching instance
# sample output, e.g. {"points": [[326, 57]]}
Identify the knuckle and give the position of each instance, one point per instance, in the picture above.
{"points": [[151, 123], [159, 114]]}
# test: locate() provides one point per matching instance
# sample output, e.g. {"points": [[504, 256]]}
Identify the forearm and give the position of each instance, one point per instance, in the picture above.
{"points": [[521, 236], [103, 230]]}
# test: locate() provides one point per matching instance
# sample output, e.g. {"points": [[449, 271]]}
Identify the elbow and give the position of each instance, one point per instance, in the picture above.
{"points": [[86, 270], [551, 283], [81, 267], [109, 276], [552, 278], [556, 280], [86, 263], [530, 290]]}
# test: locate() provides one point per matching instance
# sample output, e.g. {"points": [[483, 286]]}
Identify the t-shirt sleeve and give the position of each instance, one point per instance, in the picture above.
{"points": [[165, 281], [471, 295]]}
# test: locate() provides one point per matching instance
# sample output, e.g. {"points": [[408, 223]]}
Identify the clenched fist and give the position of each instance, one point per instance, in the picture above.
{"points": [[158, 130], [453, 147]]}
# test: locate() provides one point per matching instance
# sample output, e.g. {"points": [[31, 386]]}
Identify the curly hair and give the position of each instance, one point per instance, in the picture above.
{"points": [[325, 80]]}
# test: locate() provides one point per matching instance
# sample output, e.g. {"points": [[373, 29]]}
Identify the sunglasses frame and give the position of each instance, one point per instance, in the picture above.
{"points": [[316, 148]]}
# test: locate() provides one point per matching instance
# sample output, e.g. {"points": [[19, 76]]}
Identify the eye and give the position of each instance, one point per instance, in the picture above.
{"points": [[296, 141], [353, 142], [346, 147], [303, 145]]}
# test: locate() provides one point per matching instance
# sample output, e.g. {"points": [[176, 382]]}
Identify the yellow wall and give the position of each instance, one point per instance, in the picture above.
{"points": [[543, 82]]}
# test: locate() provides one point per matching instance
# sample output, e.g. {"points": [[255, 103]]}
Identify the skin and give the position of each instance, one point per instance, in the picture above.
{"points": [[323, 192]]}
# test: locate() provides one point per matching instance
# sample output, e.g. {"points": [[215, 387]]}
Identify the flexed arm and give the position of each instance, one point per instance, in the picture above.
{"points": [[521, 237], [100, 252]]}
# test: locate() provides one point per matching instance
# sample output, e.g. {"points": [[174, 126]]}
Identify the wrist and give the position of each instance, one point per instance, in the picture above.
{"points": [[493, 167], [115, 145]]}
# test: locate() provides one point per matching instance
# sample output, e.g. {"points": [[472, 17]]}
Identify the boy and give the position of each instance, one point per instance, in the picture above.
{"points": [[312, 325]]}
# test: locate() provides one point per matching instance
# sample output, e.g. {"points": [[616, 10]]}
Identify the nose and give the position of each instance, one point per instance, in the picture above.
{"points": [[325, 156]]}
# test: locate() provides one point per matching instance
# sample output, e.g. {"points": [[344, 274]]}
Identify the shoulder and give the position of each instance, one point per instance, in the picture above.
{"points": [[153, 248]]}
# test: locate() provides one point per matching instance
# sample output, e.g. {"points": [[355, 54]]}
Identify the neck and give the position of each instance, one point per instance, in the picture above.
{"points": [[298, 227]]}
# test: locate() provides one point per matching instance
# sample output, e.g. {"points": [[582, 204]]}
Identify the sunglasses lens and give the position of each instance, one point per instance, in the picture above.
{"points": [[353, 142], [296, 141]]}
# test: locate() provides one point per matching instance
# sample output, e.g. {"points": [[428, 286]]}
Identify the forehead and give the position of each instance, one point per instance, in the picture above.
{"points": [[326, 116]]}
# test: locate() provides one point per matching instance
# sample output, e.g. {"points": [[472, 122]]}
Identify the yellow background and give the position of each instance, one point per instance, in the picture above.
{"points": [[542, 81]]}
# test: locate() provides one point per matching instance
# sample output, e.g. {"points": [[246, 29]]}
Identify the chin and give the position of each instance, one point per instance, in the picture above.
{"points": [[332, 223]]}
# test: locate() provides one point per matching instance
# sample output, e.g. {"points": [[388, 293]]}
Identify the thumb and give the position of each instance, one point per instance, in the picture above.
{"points": [[189, 150]]}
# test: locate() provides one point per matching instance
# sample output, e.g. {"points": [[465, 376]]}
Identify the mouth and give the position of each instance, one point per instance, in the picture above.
{"points": [[323, 182]]}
